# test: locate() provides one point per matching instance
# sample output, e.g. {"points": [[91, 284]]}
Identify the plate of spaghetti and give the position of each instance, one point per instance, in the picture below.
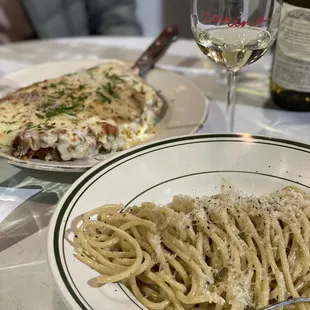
{"points": [[195, 222]]}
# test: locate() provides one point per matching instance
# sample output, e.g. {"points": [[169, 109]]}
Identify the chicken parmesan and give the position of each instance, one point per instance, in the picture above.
{"points": [[103, 109]]}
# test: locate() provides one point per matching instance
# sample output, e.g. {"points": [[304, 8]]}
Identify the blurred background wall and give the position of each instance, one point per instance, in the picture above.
{"points": [[154, 14], [177, 12], [150, 15]]}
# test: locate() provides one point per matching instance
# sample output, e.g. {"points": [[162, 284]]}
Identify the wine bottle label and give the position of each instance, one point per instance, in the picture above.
{"points": [[292, 59]]}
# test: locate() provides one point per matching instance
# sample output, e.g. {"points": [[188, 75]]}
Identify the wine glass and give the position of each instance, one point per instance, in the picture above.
{"points": [[235, 33]]}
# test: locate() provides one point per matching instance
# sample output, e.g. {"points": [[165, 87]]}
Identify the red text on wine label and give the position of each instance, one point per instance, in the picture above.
{"points": [[209, 18]]}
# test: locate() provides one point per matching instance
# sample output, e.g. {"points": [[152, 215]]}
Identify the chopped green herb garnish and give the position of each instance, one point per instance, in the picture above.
{"points": [[30, 125], [91, 69], [49, 126], [53, 85], [81, 87], [71, 96], [8, 131], [61, 92], [113, 77], [9, 123], [108, 88], [81, 99], [63, 109], [39, 116], [46, 105], [103, 97], [50, 109]]}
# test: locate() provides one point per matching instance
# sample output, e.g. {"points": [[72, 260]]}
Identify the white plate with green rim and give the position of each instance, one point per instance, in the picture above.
{"points": [[185, 107], [196, 165]]}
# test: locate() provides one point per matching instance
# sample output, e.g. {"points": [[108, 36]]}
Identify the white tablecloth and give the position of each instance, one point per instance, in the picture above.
{"points": [[25, 280]]}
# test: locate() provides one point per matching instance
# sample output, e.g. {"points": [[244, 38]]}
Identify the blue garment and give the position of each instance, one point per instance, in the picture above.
{"points": [[67, 18]]}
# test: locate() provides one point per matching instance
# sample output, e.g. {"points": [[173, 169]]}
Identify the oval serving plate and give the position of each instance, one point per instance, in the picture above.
{"points": [[191, 165], [185, 110]]}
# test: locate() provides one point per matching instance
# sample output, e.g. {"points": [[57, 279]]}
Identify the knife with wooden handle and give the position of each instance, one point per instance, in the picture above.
{"points": [[156, 50]]}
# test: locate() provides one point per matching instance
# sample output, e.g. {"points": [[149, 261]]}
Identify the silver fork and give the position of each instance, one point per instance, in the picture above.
{"points": [[286, 303]]}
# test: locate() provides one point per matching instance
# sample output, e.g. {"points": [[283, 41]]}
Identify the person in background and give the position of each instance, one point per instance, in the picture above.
{"points": [[43, 19]]}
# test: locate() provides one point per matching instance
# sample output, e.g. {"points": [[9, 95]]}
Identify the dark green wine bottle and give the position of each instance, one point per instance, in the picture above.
{"points": [[290, 80]]}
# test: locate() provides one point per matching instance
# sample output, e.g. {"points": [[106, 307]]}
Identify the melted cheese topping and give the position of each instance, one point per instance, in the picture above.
{"points": [[102, 109]]}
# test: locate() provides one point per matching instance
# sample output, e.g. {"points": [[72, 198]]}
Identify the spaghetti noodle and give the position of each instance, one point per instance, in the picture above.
{"points": [[222, 252]]}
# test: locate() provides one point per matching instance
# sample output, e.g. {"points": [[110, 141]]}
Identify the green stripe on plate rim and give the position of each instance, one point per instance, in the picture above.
{"points": [[154, 146]]}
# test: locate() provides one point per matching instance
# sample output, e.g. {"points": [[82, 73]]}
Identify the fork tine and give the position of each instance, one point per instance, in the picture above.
{"points": [[287, 302]]}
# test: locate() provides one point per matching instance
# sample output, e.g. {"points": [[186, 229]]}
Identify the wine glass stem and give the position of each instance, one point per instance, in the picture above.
{"points": [[230, 114]]}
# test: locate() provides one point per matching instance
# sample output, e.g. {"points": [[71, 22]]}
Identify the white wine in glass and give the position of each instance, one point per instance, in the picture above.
{"points": [[235, 33]]}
